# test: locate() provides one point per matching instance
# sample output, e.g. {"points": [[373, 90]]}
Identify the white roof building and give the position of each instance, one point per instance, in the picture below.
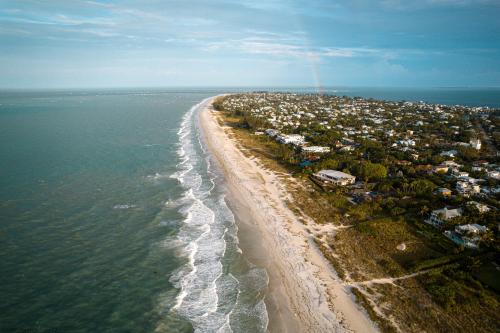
{"points": [[439, 216], [316, 149], [295, 139], [471, 228], [335, 177], [449, 153], [475, 143]]}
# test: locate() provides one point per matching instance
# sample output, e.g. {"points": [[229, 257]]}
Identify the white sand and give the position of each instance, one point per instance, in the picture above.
{"points": [[305, 294]]}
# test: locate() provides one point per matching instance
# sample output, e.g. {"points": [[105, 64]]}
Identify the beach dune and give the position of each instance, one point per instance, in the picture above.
{"points": [[305, 294]]}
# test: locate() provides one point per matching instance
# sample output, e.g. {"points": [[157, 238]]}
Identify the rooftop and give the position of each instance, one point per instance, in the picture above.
{"points": [[335, 174]]}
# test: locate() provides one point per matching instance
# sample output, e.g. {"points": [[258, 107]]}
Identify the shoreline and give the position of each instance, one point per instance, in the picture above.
{"points": [[304, 294]]}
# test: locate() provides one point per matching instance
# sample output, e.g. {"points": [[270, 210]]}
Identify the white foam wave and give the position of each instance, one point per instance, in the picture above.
{"points": [[208, 296], [204, 240]]}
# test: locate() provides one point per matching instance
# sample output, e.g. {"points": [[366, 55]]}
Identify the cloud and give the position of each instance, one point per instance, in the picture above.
{"points": [[282, 47], [410, 4], [229, 35]]}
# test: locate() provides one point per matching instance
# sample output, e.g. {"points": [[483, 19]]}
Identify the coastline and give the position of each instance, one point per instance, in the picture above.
{"points": [[304, 294]]}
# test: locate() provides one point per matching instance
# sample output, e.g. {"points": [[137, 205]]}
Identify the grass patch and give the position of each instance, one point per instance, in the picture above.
{"points": [[384, 324]]}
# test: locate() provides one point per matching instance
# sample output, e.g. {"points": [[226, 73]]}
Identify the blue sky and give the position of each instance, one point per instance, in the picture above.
{"points": [[72, 43]]}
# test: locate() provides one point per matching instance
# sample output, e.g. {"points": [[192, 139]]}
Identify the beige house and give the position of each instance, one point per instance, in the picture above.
{"points": [[335, 177]]}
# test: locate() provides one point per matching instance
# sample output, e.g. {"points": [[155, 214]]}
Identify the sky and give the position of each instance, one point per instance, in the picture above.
{"points": [[158, 43]]}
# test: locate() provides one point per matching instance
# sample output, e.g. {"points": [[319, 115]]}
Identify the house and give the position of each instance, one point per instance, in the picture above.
{"points": [[441, 168], [467, 189], [449, 153], [494, 174], [335, 177], [315, 149], [443, 191], [467, 235], [347, 148], [439, 216], [295, 139], [459, 174], [482, 208], [475, 143], [271, 132], [471, 229], [406, 143], [452, 164]]}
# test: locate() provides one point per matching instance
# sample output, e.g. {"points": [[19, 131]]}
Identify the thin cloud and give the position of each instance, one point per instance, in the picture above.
{"points": [[276, 47]]}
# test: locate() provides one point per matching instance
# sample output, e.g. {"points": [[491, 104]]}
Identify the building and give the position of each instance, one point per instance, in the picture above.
{"points": [[467, 189], [347, 148], [335, 177], [315, 149], [494, 174], [440, 216], [467, 235], [449, 153], [482, 208], [452, 164], [441, 168], [475, 143], [294, 139], [271, 132], [443, 191], [459, 174], [406, 143]]}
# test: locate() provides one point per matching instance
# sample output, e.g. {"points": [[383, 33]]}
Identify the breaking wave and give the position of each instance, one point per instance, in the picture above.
{"points": [[219, 290]]}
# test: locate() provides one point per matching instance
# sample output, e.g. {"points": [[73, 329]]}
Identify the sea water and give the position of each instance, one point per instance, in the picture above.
{"points": [[113, 217]]}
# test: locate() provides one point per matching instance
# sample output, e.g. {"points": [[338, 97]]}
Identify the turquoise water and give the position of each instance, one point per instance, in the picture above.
{"points": [[113, 218]]}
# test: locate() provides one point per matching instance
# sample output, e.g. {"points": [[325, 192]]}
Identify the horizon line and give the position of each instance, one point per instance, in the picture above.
{"points": [[238, 87]]}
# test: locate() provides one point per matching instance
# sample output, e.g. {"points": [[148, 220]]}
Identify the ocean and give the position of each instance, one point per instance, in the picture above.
{"points": [[113, 216], [113, 219]]}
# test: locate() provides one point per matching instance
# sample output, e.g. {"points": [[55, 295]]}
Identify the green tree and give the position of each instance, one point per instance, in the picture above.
{"points": [[422, 187], [372, 171]]}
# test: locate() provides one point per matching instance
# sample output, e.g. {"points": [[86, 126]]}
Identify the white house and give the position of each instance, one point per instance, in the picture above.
{"points": [[439, 216], [494, 174], [467, 235], [271, 132], [406, 143], [335, 177], [347, 148], [458, 174], [295, 139], [449, 153], [471, 229], [316, 149], [475, 143]]}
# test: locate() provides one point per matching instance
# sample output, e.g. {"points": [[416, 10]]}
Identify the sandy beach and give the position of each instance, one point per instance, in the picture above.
{"points": [[305, 294]]}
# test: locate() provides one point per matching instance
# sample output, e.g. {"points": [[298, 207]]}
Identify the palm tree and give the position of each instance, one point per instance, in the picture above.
{"points": [[424, 210]]}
